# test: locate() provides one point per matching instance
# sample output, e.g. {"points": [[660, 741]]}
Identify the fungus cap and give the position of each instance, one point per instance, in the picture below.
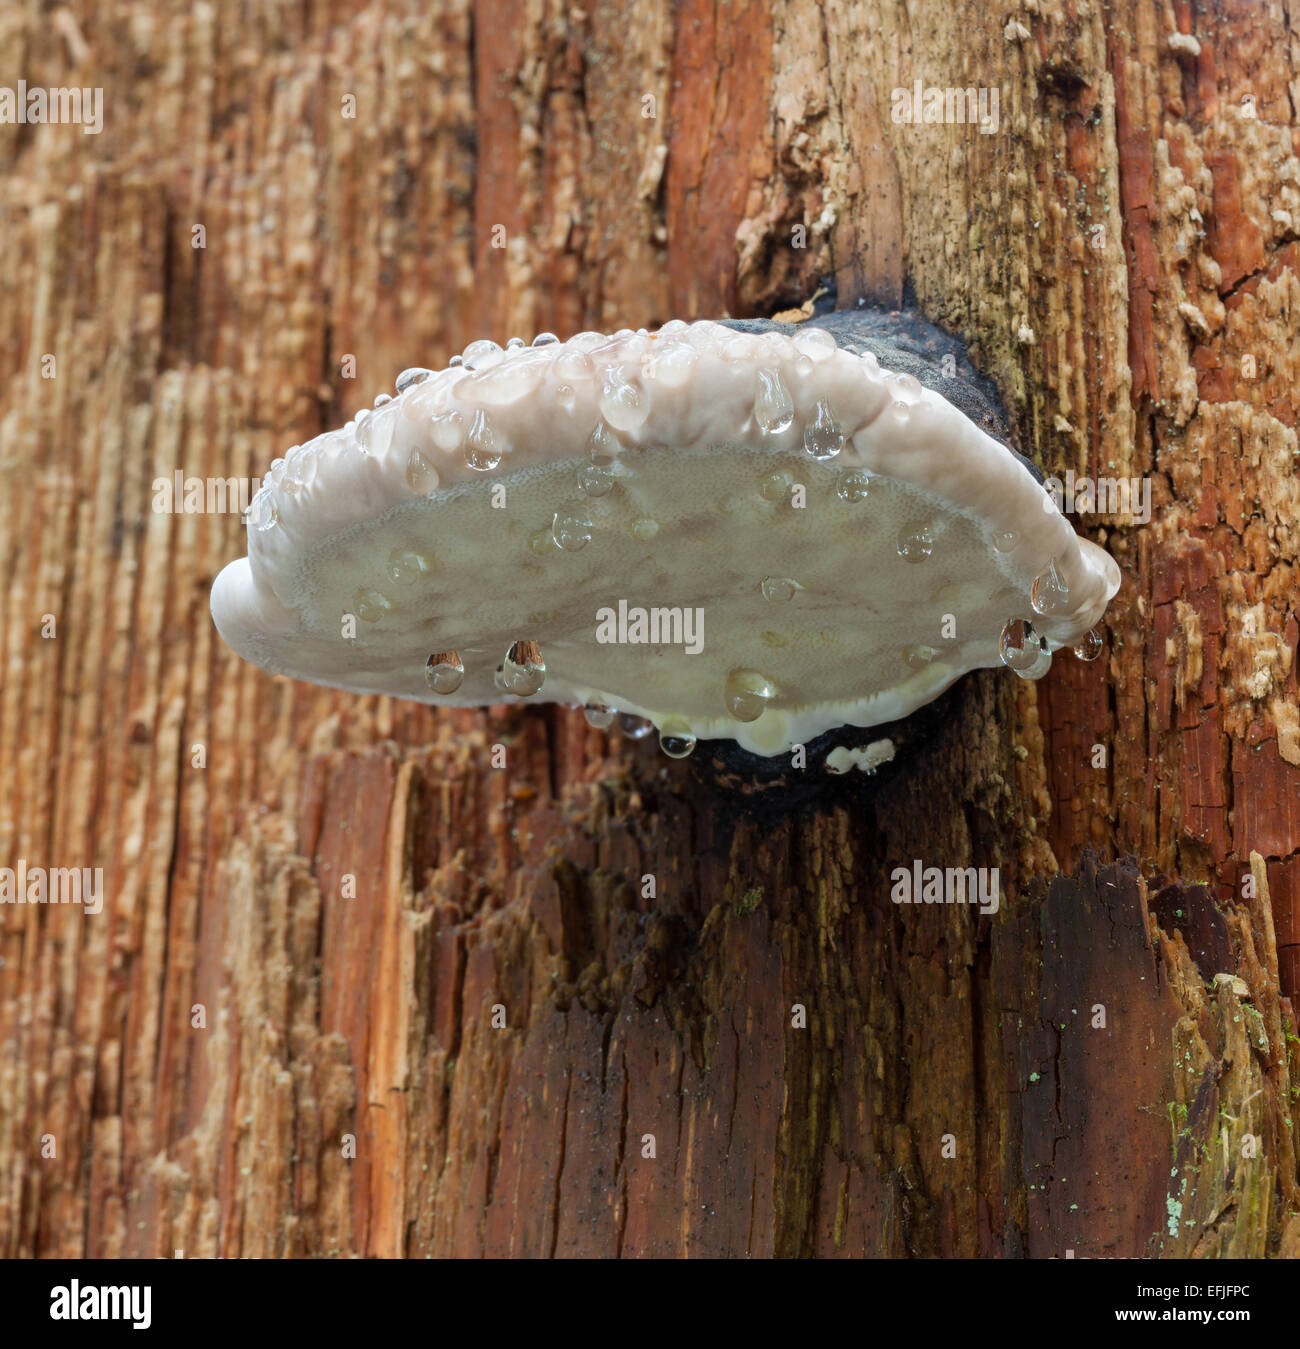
{"points": [[759, 536]]}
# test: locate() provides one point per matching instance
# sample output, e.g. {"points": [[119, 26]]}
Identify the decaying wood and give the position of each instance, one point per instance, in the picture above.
{"points": [[353, 891]]}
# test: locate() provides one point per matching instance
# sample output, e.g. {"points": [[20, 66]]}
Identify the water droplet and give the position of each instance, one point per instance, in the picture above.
{"points": [[675, 738], [544, 339], [910, 385], [595, 482], [600, 716], [506, 382], [747, 694], [514, 343], [371, 605], [823, 437], [382, 398], [542, 542], [482, 355], [448, 431], [918, 657], [572, 530], [375, 434], [573, 364], [620, 400], [773, 406], [779, 588], [671, 327], [299, 466], [1050, 593], [587, 341], [263, 511], [602, 446], [405, 566], [645, 528], [854, 485], [414, 375], [523, 671], [672, 366], [1089, 647], [635, 728], [455, 360], [421, 476], [775, 486], [815, 343], [443, 672], [484, 447], [1005, 540], [915, 544], [1023, 650], [565, 396]]}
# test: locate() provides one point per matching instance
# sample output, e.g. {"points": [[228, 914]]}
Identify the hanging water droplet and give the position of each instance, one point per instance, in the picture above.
{"points": [[523, 671], [1023, 650], [918, 657], [645, 528], [1089, 647], [1005, 540], [572, 530], [375, 434], [600, 716], [595, 482], [482, 355], [620, 400], [823, 437], [747, 693], [915, 544], [779, 588], [263, 511], [815, 343], [1050, 593], [675, 738], [565, 396], [514, 343], [602, 446], [405, 566], [853, 486], [421, 476], [414, 375], [299, 466], [773, 406], [484, 446], [443, 672], [448, 431], [544, 339], [775, 486], [635, 728], [371, 605]]}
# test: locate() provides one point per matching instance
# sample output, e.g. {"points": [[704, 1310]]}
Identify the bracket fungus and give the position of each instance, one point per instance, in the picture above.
{"points": [[749, 531]]}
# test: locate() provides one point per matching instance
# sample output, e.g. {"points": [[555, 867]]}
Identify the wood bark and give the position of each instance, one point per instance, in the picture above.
{"points": [[1123, 257]]}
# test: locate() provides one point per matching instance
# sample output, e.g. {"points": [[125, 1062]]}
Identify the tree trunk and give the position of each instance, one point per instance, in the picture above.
{"points": [[356, 990]]}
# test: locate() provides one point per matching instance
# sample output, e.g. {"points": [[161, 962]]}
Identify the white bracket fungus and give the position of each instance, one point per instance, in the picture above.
{"points": [[746, 531]]}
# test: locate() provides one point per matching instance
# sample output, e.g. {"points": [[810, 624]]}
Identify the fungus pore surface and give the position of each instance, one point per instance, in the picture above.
{"points": [[753, 532]]}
